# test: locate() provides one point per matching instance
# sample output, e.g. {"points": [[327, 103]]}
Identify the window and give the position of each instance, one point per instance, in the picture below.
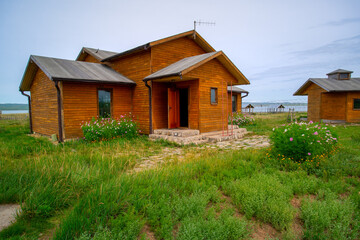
{"points": [[213, 97], [104, 97], [234, 103], [357, 104], [344, 76]]}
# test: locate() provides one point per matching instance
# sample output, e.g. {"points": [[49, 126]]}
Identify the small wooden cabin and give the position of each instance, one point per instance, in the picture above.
{"points": [[235, 98], [178, 81], [332, 99]]}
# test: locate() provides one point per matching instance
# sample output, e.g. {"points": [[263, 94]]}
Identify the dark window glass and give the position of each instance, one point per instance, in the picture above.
{"points": [[357, 104], [344, 76], [213, 95], [234, 103], [104, 103]]}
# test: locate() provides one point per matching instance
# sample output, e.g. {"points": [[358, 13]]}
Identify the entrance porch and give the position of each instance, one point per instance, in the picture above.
{"points": [[190, 136]]}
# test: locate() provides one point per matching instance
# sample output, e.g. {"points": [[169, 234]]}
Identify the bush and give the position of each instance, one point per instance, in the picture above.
{"points": [[241, 119], [303, 141], [108, 128]]}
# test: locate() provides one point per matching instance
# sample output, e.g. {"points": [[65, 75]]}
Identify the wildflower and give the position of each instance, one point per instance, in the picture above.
{"points": [[316, 133], [309, 154], [291, 139]]}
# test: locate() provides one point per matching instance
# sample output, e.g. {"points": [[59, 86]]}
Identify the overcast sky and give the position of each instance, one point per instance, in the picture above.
{"points": [[277, 45]]}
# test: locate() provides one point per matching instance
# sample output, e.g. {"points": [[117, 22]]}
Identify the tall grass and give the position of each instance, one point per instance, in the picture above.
{"points": [[89, 189]]}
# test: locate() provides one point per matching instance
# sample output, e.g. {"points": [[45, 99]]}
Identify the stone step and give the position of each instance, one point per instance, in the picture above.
{"points": [[177, 132], [179, 140]]}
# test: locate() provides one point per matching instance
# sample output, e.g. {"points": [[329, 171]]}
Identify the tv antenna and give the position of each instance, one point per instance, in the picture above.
{"points": [[199, 22]]}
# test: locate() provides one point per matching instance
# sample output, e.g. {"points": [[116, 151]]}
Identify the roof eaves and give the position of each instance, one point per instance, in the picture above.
{"points": [[91, 81], [163, 76]]}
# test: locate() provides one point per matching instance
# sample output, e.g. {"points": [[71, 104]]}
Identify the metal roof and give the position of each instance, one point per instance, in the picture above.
{"points": [[331, 85], [339, 71], [67, 70], [177, 68], [96, 53], [236, 89]]}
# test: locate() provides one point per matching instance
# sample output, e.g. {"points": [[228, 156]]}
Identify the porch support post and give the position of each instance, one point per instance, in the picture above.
{"points": [[150, 106], [29, 103]]}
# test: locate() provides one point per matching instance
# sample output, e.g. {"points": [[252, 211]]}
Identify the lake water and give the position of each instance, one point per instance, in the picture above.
{"points": [[286, 109], [13, 111]]}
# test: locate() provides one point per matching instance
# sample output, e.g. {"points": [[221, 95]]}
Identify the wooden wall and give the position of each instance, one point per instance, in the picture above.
{"points": [[90, 58], [314, 102], [170, 52], [44, 105], [80, 104], [333, 106], [351, 114], [137, 67], [213, 74]]}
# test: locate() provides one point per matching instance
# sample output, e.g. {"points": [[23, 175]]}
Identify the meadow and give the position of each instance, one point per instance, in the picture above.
{"points": [[83, 190]]}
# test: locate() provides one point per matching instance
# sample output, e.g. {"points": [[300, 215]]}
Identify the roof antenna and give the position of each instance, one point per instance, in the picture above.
{"points": [[199, 22]]}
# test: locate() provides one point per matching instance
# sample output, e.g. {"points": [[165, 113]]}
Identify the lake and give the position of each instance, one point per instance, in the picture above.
{"points": [[13, 111]]}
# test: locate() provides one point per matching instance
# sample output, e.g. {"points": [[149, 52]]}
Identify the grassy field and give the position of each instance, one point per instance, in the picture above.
{"points": [[82, 190]]}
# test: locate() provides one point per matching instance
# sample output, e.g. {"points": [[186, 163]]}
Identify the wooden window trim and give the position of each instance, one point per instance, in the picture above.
{"points": [[111, 100], [347, 78], [216, 96], [355, 109]]}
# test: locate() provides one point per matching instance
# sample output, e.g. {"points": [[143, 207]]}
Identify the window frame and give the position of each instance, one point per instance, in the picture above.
{"points": [[346, 78], [356, 109], [111, 100], [216, 96]]}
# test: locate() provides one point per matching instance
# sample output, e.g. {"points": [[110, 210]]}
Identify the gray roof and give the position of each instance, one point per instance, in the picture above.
{"points": [[332, 85], [96, 53], [339, 71], [67, 70], [236, 89], [100, 54], [176, 69]]}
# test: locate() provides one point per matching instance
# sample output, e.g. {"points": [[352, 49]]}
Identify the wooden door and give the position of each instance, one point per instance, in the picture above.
{"points": [[173, 108]]}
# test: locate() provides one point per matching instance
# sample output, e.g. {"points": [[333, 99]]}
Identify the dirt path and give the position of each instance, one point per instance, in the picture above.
{"points": [[7, 214]]}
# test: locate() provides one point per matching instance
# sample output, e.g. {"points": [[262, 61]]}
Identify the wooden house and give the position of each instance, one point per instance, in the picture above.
{"points": [[178, 81], [235, 98], [333, 99]]}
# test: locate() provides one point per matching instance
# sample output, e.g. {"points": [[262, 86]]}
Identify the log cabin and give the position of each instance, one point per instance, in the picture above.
{"points": [[235, 98], [333, 99], [177, 81]]}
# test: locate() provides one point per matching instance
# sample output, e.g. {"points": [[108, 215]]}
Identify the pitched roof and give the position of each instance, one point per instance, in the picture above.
{"points": [[197, 38], [67, 70], [331, 85], [236, 89], [96, 53], [339, 71], [187, 64]]}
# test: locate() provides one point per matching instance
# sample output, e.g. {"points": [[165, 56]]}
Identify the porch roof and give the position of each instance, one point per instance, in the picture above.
{"points": [[185, 65]]}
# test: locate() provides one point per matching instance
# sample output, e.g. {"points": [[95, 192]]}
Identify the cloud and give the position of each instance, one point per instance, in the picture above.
{"points": [[338, 23]]}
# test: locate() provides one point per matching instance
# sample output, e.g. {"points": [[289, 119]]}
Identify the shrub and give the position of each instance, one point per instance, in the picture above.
{"points": [[108, 128], [303, 141], [241, 119]]}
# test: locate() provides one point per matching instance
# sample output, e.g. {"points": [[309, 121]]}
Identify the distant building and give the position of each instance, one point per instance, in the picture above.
{"points": [[334, 99]]}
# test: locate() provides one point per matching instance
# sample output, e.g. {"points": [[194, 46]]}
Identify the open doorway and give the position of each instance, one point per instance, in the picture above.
{"points": [[184, 111]]}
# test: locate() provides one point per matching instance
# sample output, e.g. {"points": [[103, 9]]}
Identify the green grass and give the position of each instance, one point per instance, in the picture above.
{"points": [[88, 189]]}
